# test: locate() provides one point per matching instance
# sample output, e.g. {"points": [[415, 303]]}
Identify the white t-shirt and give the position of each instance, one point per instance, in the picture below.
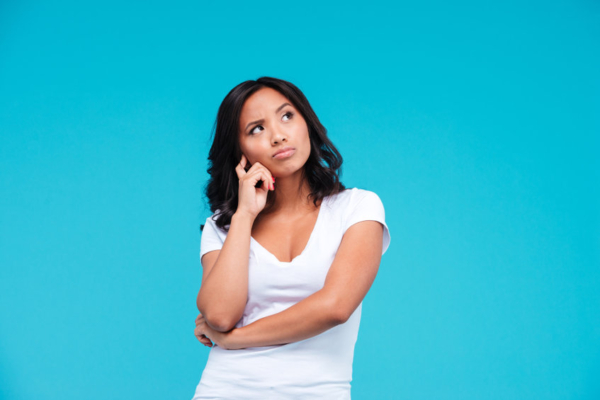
{"points": [[315, 368]]}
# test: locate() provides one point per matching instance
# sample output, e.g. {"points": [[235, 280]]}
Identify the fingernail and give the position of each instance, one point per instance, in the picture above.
{"points": [[273, 178]]}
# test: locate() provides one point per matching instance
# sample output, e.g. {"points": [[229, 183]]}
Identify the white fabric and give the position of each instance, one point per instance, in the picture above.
{"points": [[316, 368]]}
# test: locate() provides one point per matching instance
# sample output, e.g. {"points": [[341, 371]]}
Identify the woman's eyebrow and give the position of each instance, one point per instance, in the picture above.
{"points": [[262, 120]]}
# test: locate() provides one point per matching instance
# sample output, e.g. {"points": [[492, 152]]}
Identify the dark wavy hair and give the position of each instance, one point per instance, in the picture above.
{"points": [[322, 169]]}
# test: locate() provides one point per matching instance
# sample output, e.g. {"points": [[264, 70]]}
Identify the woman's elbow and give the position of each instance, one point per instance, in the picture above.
{"points": [[221, 324], [220, 316], [338, 313], [218, 321]]}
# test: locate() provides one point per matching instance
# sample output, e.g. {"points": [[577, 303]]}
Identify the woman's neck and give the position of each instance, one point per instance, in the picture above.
{"points": [[291, 195]]}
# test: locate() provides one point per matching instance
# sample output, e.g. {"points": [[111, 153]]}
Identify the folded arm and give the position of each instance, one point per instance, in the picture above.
{"points": [[349, 279], [224, 290]]}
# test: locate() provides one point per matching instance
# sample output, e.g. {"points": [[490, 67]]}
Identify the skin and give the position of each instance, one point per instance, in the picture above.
{"points": [[260, 141], [292, 212], [283, 229]]}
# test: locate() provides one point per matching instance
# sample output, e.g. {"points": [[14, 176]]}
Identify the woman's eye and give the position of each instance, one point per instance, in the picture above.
{"points": [[289, 114]]}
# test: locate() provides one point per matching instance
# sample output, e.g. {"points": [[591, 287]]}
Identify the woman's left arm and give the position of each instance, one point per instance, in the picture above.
{"points": [[348, 280]]}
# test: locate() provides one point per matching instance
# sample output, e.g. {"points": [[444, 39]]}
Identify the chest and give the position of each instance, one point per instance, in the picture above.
{"points": [[274, 285], [283, 238]]}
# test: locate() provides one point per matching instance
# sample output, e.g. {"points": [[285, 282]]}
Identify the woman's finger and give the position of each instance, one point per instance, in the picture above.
{"points": [[261, 166], [202, 338], [240, 168], [266, 184], [204, 341], [251, 173], [258, 166], [269, 177], [256, 176], [199, 333]]}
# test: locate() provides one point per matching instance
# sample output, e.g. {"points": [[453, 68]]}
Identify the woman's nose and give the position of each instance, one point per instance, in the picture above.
{"points": [[277, 136]]}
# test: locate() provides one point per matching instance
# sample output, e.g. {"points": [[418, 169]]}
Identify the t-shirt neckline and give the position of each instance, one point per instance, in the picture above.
{"points": [[308, 244]]}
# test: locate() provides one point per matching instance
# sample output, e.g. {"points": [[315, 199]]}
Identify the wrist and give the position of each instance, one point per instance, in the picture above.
{"points": [[243, 217], [232, 340]]}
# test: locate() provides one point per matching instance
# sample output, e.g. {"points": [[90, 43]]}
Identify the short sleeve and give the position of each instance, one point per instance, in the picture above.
{"points": [[367, 206], [210, 239]]}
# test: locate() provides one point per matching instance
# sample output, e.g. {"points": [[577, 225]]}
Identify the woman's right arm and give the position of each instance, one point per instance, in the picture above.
{"points": [[224, 290]]}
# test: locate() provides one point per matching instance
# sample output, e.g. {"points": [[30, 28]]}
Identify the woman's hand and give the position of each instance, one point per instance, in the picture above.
{"points": [[206, 335], [250, 198]]}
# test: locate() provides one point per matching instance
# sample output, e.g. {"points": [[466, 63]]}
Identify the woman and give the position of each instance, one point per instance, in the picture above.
{"points": [[288, 254]]}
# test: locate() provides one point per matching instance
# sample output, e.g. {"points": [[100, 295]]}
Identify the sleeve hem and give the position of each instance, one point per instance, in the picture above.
{"points": [[386, 233]]}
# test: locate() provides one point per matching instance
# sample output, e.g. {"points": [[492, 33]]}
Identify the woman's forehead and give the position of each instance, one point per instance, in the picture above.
{"points": [[263, 100]]}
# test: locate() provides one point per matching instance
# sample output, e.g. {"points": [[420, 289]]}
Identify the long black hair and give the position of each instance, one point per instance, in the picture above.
{"points": [[322, 169]]}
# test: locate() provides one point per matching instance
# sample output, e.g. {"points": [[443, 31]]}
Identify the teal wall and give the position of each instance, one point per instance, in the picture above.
{"points": [[477, 124]]}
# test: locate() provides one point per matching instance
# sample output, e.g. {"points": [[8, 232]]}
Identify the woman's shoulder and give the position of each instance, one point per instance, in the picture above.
{"points": [[212, 222], [351, 196]]}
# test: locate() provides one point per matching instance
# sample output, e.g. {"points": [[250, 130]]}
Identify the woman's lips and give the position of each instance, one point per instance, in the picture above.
{"points": [[285, 154]]}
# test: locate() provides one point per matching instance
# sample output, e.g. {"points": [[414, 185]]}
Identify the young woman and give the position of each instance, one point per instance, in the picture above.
{"points": [[288, 254]]}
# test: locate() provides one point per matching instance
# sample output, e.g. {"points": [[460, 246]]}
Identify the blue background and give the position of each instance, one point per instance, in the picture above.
{"points": [[477, 123]]}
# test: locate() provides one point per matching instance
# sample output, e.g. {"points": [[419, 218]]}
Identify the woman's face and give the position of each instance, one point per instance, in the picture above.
{"points": [[268, 123]]}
